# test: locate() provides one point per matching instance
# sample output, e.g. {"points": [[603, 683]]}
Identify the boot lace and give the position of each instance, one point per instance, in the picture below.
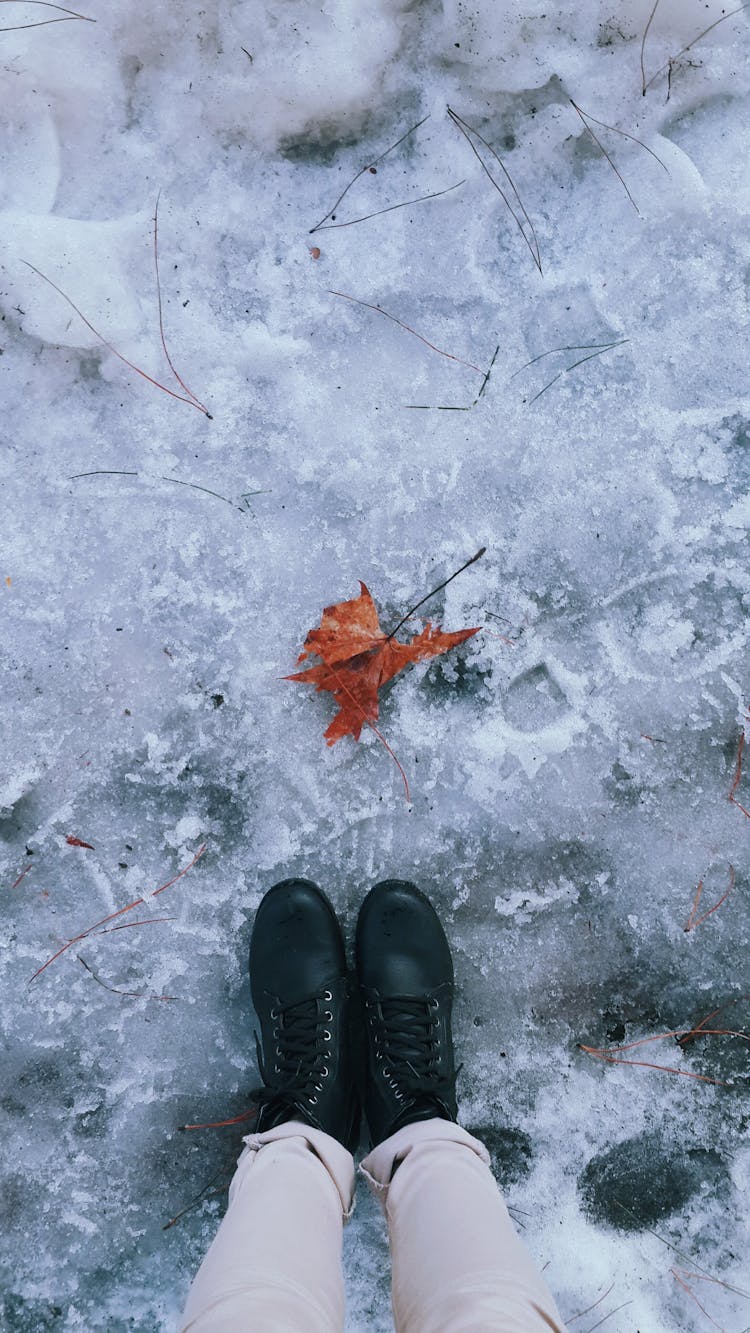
{"points": [[300, 1056], [407, 1047]]}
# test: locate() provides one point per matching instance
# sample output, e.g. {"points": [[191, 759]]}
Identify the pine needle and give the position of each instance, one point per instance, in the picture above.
{"points": [[694, 920], [602, 149], [188, 396], [132, 994], [669, 63], [517, 212], [368, 167], [427, 343], [137, 902], [68, 15], [406, 203], [625, 135]]}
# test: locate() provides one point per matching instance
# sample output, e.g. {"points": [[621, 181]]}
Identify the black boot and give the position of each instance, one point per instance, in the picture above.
{"points": [[406, 980], [302, 996]]}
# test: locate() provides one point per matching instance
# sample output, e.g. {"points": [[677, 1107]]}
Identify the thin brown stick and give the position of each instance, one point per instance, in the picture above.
{"points": [[625, 135], [132, 994], [466, 129], [157, 384], [694, 921], [427, 343], [644, 85], [170, 362], [668, 64], [137, 902], [334, 226], [439, 588], [603, 150], [69, 15], [361, 172]]}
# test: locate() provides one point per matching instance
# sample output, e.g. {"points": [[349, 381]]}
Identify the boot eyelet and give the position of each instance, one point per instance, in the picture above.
{"points": [[434, 1004], [276, 1033], [274, 1014], [324, 1072], [326, 1035], [327, 995], [313, 1101], [328, 1016]]}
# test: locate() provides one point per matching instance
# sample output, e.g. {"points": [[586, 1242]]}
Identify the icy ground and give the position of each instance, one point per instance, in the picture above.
{"points": [[570, 767]]}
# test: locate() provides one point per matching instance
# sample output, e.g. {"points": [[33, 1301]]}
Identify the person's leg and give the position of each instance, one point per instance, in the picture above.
{"points": [[458, 1264], [275, 1264]]}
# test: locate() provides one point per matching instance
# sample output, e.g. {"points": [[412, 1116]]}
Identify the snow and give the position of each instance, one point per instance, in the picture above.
{"points": [[570, 766]]}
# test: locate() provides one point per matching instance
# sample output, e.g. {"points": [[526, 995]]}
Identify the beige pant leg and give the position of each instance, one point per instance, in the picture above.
{"points": [[458, 1265], [275, 1263]]}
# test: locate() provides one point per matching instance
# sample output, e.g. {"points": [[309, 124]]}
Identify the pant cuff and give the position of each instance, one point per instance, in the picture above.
{"points": [[378, 1166], [336, 1159]]}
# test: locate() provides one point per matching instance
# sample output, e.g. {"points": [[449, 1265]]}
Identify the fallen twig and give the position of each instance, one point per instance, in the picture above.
{"points": [[68, 15], [137, 902], [694, 920], [371, 167], [523, 222], [427, 343]]}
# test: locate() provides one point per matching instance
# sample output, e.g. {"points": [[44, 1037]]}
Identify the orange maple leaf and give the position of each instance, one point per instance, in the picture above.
{"points": [[357, 658]]}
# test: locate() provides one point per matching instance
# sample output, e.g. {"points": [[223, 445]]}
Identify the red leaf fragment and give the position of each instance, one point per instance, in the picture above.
{"points": [[78, 842], [358, 658]]}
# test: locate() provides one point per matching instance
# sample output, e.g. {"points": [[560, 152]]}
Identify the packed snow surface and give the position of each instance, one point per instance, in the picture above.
{"points": [[570, 767]]}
